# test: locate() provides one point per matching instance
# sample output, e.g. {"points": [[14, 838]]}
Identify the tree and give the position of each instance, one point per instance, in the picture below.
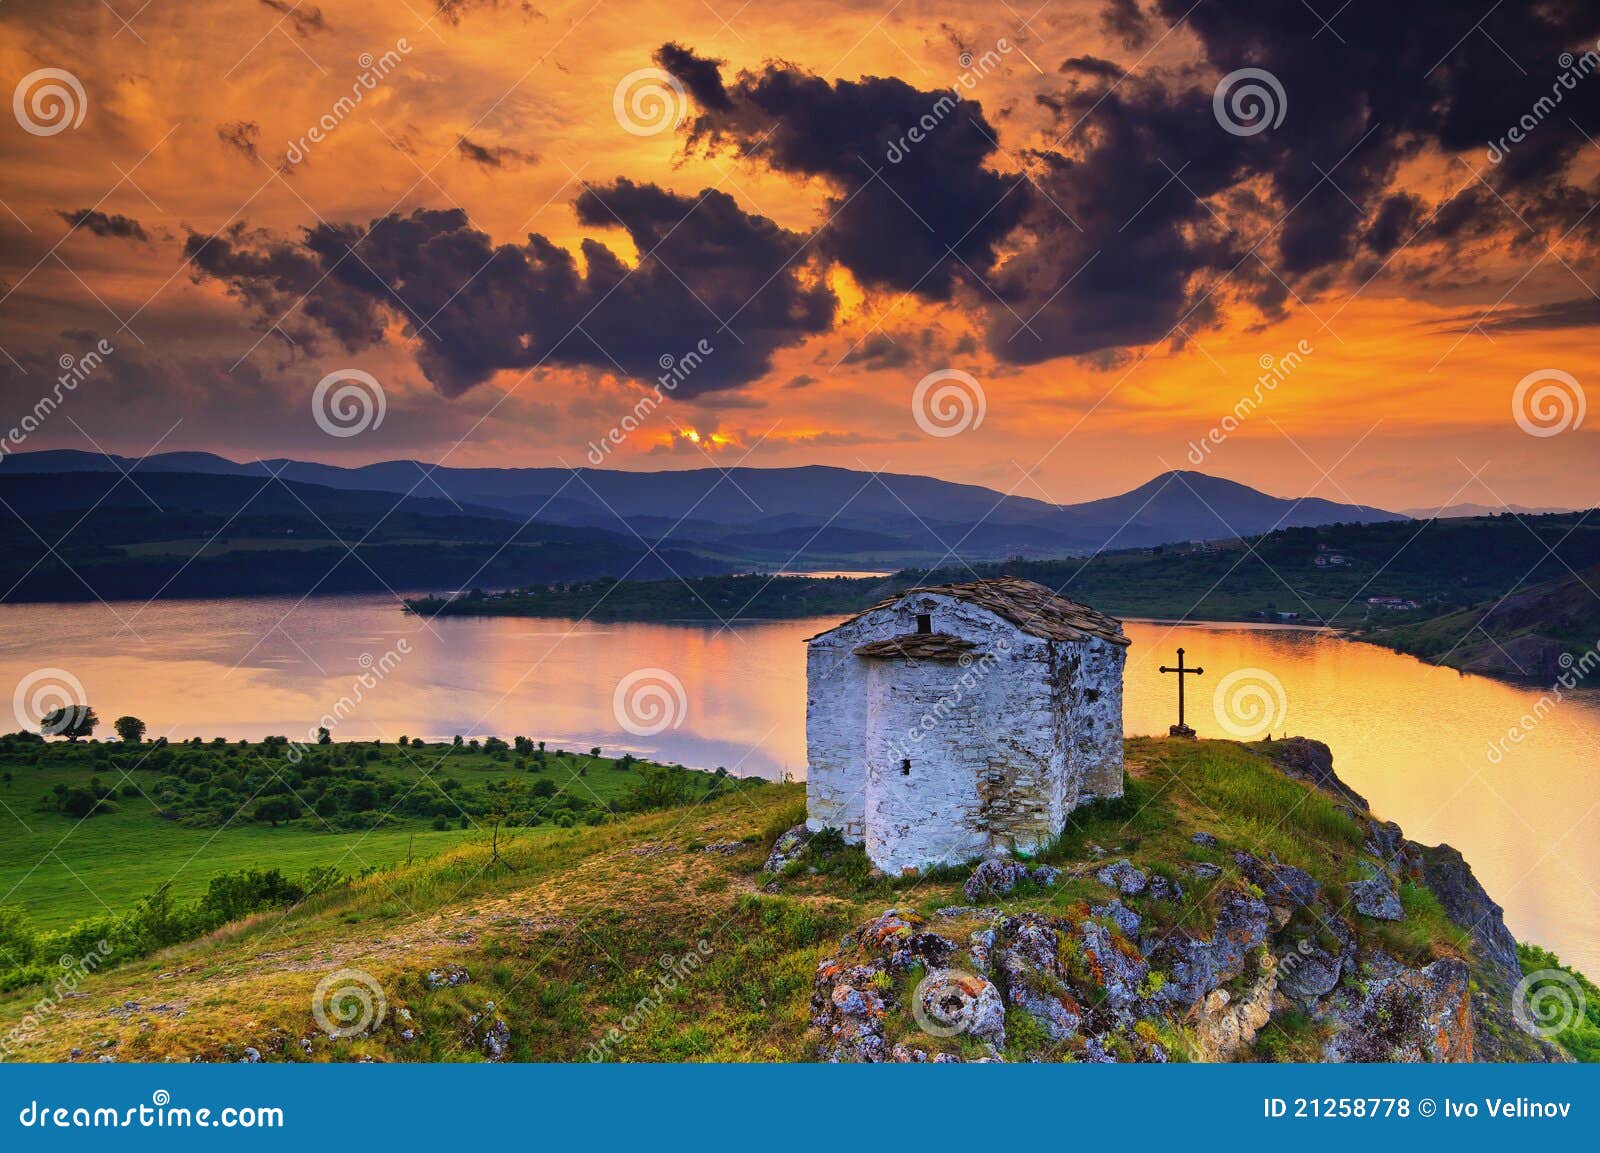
{"points": [[324, 737], [275, 809], [73, 722], [130, 729]]}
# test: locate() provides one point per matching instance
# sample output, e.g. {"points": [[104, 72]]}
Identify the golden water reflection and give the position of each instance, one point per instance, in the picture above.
{"points": [[1414, 739]]}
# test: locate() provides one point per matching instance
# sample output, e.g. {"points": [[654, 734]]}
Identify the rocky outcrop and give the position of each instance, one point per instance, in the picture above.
{"points": [[1375, 897], [1227, 1026], [997, 876], [1312, 762], [1416, 1015], [1445, 872]]}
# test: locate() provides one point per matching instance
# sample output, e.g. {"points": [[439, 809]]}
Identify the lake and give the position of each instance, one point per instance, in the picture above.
{"points": [[1430, 748]]}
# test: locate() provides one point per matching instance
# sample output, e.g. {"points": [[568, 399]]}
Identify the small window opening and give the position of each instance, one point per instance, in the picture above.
{"points": [[905, 767], [924, 622]]}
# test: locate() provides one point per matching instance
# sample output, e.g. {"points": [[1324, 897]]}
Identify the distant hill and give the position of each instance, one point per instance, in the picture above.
{"points": [[1539, 632], [87, 535], [1459, 510], [810, 516]]}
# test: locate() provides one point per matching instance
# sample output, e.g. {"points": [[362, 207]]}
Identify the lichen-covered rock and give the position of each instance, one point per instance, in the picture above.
{"points": [[1416, 1015], [1205, 871], [1123, 877], [957, 912], [1193, 966], [1280, 884], [1163, 889], [1119, 915], [993, 877], [948, 1001], [848, 1009], [888, 930], [1225, 1027], [1046, 875], [1204, 839], [1118, 967], [981, 948], [1308, 972], [788, 847], [1029, 965], [1375, 897]]}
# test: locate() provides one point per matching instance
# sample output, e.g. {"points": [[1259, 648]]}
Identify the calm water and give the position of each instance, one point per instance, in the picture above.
{"points": [[1414, 739]]}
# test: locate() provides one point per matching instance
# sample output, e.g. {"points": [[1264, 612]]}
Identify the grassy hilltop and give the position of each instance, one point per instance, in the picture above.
{"points": [[657, 935]]}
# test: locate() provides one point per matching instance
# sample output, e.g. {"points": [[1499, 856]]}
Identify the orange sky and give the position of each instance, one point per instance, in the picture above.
{"points": [[1398, 403]]}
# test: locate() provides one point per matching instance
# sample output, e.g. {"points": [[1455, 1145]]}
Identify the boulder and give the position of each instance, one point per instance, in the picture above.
{"points": [[1204, 839], [993, 877], [1123, 877], [1119, 915], [1119, 967], [1225, 1026], [848, 1009], [788, 847], [1163, 889], [1029, 964], [1308, 972], [948, 1001], [1193, 966], [1280, 884], [1375, 897]]}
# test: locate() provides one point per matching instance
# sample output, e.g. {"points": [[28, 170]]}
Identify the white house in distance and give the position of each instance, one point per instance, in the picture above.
{"points": [[949, 721]]}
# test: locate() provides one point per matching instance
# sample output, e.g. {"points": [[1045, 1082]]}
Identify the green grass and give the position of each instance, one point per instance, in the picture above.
{"points": [[61, 869]]}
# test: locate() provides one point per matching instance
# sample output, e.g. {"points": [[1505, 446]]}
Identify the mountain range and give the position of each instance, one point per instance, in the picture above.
{"points": [[804, 516]]}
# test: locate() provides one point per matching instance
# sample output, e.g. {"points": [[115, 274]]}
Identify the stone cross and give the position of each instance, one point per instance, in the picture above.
{"points": [[1180, 729]]}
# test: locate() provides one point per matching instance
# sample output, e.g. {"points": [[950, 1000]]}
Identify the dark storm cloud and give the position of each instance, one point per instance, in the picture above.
{"points": [[914, 204], [1127, 22], [493, 156], [477, 307], [1580, 312], [240, 136], [1109, 244], [307, 19], [100, 223]]}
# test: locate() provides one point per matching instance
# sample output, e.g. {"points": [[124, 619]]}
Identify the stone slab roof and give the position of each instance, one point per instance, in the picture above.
{"points": [[1030, 606], [918, 646]]}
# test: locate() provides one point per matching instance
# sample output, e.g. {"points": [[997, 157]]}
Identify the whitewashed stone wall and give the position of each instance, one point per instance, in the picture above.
{"points": [[1001, 748]]}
